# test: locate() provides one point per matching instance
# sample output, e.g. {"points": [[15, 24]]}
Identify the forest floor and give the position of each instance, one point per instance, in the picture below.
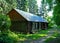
{"points": [[42, 39]]}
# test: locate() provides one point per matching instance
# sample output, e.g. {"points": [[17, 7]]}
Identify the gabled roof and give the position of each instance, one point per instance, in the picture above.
{"points": [[30, 17]]}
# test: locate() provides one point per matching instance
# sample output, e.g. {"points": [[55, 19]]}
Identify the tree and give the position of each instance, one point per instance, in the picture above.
{"points": [[6, 5], [57, 13], [22, 5], [55, 4], [32, 6], [4, 22], [27, 5], [43, 10]]}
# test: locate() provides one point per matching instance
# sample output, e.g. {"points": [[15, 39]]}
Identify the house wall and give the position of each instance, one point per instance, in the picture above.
{"points": [[14, 16], [29, 27], [38, 26], [19, 26]]}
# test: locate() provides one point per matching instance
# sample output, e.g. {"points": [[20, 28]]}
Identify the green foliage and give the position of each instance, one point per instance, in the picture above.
{"points": [[49, 1], [4, 22], [56, 10], [32, 6], [22, 5], [50, 21], [27, 5], [58, 1], [11, 37], [57, 15], [38, 35], [50, 4], [6, 5], [8, 37]]}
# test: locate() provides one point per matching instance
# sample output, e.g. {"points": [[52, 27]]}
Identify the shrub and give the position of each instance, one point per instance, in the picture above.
{"points": [[8, 37], [5, 36], [4, 22]]}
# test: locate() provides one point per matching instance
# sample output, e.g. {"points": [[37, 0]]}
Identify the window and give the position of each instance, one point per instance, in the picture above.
{"points": [[35, 25]]}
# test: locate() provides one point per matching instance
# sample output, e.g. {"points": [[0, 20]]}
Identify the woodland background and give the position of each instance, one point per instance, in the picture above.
{"points": [[6, 36]]}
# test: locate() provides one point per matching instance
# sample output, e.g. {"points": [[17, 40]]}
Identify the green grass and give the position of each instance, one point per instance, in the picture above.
{"points": [[35, 36], [23, 37], [12, 36]]}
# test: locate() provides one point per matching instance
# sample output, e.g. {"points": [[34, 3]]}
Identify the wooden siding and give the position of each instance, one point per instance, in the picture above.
{"points": [[14, 16], [19, 26], [29, 27]]}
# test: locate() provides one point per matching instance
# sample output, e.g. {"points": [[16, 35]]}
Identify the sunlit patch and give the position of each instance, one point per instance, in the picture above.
{"points": [[29, 35], [22, 39], [13, 35], [8, 19], [42, 35], [53, 37]]}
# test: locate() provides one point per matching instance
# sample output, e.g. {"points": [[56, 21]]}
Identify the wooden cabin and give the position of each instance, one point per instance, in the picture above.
{"points": [[25, 22]]}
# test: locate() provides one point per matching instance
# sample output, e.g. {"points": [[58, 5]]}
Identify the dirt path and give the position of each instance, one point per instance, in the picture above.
{"points": [[41, 40]]}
